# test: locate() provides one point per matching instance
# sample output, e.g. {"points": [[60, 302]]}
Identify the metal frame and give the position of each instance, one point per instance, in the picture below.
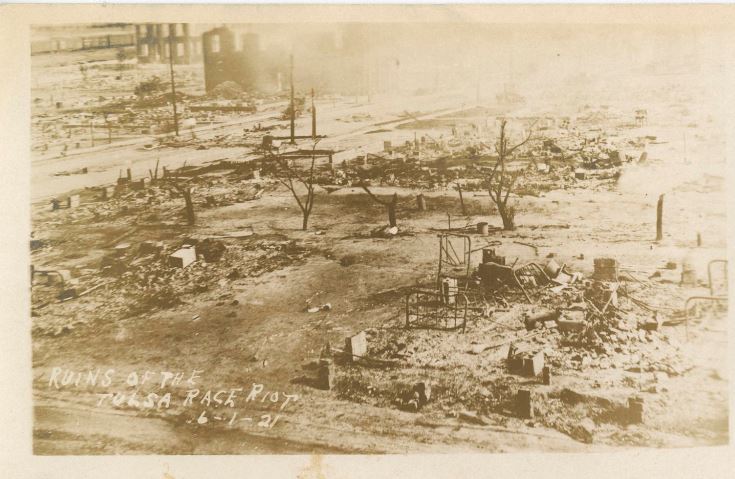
{"points": [[449, 258], [713, 297], [429, 310]]}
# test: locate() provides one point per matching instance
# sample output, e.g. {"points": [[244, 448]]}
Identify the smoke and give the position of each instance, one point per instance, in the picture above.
{"points": [[406, 58]]}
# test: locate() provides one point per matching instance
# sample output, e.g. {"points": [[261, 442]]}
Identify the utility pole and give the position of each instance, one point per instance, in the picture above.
{"points": [[659, 218], [173, 85], [293, 106], [313, 116]]}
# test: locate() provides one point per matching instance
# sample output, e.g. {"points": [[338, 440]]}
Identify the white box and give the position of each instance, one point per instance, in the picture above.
{"points": [[183, 257]]}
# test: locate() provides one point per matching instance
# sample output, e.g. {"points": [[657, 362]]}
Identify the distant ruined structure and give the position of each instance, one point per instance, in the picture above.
{"points": [[231, 57], [153, 42]]}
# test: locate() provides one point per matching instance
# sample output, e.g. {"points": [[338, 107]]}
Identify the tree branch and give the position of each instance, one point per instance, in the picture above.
{"points": [[529, 137], [510, 187], [364, 187]]}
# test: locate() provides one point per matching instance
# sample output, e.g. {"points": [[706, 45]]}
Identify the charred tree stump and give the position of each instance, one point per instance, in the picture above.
{"points": [[190, 217], [421, 202], [392, 210], [461, 199], [659, 218]]}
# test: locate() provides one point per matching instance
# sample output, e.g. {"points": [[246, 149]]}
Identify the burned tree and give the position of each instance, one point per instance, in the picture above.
{"points": [[390, 205], [290, 175], [500, 181], [184, 190], [458, 187], [190, 218]]}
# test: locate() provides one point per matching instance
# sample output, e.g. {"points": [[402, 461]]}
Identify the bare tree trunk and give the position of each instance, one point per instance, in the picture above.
{"points": [[501, 182], [390, 205], [421, 202], [659, 218], [307, 210], [392, 210], [190, 217], [507, 214], [461, 199], [290, 173]]}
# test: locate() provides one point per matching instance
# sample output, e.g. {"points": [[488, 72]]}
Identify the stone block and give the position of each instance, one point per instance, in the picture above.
{"points": [[524, 404], [356, 346], [183, 257], [325, 375], [533, 365], [606, 269], [515, 364]]}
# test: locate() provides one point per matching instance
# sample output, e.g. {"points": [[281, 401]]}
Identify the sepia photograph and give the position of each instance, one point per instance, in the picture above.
{"points": [[372, 234]]}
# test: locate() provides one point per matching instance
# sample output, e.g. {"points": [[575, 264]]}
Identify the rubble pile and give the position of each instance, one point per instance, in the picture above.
{"points": [[596, 327], [574, 326], [274, 255], [138, 105], [145, 279]]}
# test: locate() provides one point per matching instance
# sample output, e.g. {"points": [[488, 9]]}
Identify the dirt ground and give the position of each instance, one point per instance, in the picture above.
{"points": [[254, 330], [240, 315]]}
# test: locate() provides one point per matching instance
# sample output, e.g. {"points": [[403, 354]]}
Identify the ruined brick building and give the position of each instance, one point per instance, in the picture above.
{"points": [[154, 41]]}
